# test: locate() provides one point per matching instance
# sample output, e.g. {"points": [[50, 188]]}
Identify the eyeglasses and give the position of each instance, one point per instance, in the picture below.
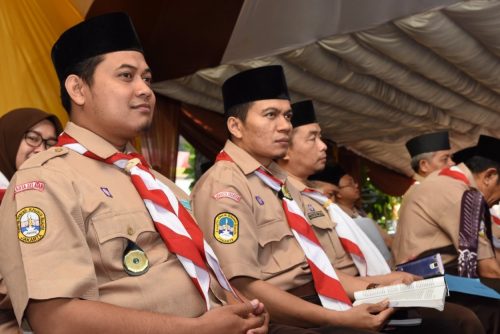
{"points": [[34, 139]]}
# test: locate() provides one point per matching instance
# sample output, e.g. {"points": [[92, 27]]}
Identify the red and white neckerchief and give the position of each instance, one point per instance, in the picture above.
{"points": [[364, 253], [4, 184], [326, 282], [495, 214], [179, 231], [455, 173]]}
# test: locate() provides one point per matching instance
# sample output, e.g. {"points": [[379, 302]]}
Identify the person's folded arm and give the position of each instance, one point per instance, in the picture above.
{"points": [[78, 316]]}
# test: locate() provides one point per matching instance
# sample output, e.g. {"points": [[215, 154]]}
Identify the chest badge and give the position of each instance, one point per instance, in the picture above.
{"points": [[31, 224], [135, 261], [226, 228]]}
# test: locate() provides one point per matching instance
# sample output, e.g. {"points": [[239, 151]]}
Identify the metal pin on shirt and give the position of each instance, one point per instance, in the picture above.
{"points": [[135, 260], [131, 163]]}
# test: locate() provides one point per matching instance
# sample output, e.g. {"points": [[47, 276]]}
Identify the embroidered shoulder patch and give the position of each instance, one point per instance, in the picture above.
{"points": [[226, 228], [33, 185], [227, 194], [31, 224]]}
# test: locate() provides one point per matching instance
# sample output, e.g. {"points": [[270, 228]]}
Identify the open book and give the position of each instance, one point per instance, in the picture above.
{"points": [[429, 292]]}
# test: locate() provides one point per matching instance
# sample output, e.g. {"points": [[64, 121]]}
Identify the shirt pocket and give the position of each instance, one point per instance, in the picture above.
{"points": [[112, 234], [328, 238], [278, 249]]}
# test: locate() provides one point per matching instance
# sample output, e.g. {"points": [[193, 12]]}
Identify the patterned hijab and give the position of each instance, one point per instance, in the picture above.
{"points": [[13, 126]]}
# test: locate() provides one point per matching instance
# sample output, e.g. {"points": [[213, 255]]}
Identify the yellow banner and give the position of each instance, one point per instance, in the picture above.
{"points": [[28, 29]]}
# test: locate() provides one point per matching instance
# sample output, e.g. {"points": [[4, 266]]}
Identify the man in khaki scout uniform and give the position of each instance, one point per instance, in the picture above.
{"points": [[245, 222], [344, 191], [307, 155], [461, 156], [79, 250], [429, 152], [433, 219]]}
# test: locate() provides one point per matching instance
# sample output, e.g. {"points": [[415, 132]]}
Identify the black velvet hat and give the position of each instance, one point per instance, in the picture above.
{"points": [[463, 155], [430, 142], [262, 83], [303, 113], [95, 36], [331, 174], [487, 147]]}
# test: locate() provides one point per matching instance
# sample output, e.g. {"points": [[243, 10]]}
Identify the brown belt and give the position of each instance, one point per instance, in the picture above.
{"points": [[304, 290]]}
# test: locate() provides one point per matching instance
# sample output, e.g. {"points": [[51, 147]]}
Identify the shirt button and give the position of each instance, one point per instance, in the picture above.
{"points": [[130, 231]]}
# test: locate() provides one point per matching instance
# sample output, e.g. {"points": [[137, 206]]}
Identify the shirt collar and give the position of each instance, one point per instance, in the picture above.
{"points": [[93, 142], [248, 164]]}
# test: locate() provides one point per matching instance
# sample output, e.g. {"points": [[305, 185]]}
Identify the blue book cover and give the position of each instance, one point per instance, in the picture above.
{"points": [[426, 267], [471, 286]]}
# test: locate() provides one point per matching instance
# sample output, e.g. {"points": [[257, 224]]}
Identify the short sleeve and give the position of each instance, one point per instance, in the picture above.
{"points": [[223, 208], [43, 252]]}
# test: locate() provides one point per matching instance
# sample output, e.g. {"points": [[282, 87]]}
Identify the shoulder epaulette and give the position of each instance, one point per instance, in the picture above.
{"points": [[41, 158]]}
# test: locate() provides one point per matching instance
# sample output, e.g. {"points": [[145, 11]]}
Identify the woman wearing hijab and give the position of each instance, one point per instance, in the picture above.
{"points": [[23, 133]]}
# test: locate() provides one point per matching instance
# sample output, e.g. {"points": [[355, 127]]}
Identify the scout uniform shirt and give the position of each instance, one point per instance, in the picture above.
{"points": [[83, 213], [324, 228], [244, 222], [429, 218], [8, 323], [417, 179]]}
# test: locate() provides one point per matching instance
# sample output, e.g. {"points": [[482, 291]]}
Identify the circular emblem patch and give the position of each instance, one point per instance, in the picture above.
{"points": [[226, 228], [31, 224]]}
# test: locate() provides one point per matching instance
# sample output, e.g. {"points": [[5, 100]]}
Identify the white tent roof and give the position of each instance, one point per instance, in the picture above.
{"points": [[374, 84]]}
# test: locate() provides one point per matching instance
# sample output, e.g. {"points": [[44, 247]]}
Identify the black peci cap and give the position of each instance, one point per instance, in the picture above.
{"points": [[331, 174], [430, 142], [463, 155], [95, 36], [487, 147], [303, 113], [262, 83]]}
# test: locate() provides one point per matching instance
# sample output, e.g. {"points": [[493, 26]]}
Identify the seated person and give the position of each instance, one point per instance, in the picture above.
{"points": [[459, 157], [306, 155], [429, 152], [248, 211], [108, 245], [346, 194], [23, 133], [449, 213], [432, 222]]}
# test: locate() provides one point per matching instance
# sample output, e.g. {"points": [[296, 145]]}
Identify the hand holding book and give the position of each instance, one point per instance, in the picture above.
{"points": [[425, 293]]}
